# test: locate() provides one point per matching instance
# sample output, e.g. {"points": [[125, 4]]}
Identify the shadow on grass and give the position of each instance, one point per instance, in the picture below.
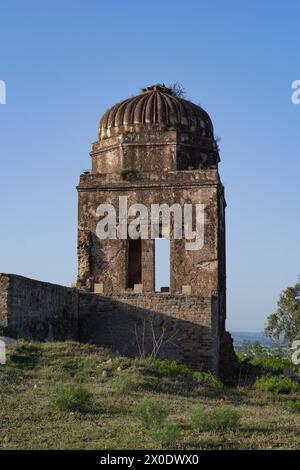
{"points": [[236, 397], [267, 430], [169, 386], [103, 410], [72, 367], [182, 387], [26, 356]]}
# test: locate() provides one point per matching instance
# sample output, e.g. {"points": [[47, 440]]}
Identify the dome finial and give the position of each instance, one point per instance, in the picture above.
{"points": [[158, 87]]}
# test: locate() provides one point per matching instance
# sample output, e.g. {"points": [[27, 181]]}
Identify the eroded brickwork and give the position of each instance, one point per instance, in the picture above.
{"points": [[131, 323]]}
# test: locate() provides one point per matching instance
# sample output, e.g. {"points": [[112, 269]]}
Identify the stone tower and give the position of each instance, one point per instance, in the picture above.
{"points": [[155, 148]]}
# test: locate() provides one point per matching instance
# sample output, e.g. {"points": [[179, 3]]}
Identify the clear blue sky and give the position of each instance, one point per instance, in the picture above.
{"points": [[65, 62]]}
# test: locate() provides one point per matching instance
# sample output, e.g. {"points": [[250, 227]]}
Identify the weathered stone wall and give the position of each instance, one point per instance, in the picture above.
{"points": [[38, 310], [105, 261], [131, 324], [4, 286], [151, 151]]}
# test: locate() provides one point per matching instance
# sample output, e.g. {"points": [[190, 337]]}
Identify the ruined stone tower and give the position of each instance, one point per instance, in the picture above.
{"points": [[153, 149], [158, 148]]}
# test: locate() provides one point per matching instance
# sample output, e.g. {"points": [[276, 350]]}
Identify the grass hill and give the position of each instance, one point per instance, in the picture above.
{"points": [[76, 396]]}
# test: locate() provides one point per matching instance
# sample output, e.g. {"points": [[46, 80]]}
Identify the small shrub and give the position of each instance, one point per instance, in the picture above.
{"points": [[275, 384], [167, 434], [150, 413], [71, 398], [225, 418], [25, 355], [126, 383], [208, 379], [294, 406], [219, 419], [170, 368]]}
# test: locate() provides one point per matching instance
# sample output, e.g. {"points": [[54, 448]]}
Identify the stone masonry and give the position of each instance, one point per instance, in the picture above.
{"points": [[38, 310]]}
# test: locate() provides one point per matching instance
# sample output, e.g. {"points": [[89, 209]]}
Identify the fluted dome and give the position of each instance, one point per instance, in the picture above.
{"points": [[156, 105]]}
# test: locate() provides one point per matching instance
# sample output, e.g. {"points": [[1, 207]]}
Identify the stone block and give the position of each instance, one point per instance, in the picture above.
{"points": [[187, 289], [98, 288], [138, 288]]}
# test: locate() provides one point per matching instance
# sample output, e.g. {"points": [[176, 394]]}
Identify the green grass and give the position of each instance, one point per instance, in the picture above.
{"points": [[175, 369], [170, 368], [166, 435], [29, 419], [126, 383]]}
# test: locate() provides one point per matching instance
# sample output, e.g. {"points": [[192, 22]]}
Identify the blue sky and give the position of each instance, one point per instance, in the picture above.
{"points": [[65, 62]]}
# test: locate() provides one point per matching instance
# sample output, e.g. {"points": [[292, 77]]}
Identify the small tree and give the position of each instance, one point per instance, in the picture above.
{"points": [[177, 89], [285, 322], [157, 334]]}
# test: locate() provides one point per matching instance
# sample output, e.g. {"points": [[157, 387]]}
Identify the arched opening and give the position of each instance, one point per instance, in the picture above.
{"points": [[162, 265], [134, 273]]}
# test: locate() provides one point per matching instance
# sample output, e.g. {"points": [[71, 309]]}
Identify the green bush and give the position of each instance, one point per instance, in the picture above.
{"points": [[294, 406], [219, 419], [167, 434], [150, 413], [264, 360], [271, 364], [266, 364], [126, 383], [71, 398], [170, 368], [208, 379], [275, 384]]}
